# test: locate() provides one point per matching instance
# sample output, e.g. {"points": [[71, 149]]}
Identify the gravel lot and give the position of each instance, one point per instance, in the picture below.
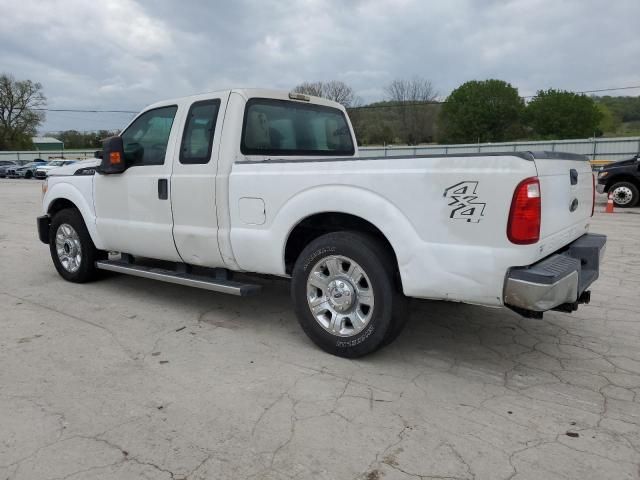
{"points": [[128, 378]]}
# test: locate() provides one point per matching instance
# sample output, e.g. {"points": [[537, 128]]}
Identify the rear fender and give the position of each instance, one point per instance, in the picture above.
{"points": [[360, 202]]}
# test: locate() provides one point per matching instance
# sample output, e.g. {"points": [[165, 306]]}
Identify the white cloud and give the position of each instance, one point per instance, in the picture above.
{"points": [[128, 53]]}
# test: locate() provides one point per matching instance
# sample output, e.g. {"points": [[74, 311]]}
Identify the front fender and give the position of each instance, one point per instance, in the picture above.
{"points": [[81, 196]]}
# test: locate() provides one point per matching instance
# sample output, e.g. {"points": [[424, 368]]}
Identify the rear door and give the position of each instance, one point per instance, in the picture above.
{"points": [[193, 183], [566, 189]]}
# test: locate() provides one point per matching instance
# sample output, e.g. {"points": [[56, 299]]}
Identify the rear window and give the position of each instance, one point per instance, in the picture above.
{"points": [[281, 127]]}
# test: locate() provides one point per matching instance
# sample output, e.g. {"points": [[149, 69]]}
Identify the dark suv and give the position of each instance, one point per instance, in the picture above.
{"points": [[622, 180]]}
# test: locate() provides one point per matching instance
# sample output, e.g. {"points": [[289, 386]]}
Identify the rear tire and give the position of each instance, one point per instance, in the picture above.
{"points": [[344, 294], [625, 194], [72, 250]]}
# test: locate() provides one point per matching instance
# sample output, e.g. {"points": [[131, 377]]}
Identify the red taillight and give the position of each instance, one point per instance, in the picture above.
{"points": [[593, 193], [523, 227]]}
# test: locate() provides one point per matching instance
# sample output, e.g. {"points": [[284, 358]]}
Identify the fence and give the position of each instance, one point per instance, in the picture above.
{"points": [[600, 149]]}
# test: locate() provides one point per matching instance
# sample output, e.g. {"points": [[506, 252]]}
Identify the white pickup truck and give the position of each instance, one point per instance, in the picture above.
{"points": [[197, 188]]}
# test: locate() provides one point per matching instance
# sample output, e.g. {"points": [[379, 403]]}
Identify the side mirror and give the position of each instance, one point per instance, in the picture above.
{"points": [[112, 156]]}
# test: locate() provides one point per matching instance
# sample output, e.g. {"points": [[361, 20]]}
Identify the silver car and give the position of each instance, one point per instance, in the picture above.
{"points": [[25, 171], [41, 172]]}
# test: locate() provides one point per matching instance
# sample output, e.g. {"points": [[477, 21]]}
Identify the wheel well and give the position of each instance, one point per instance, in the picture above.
{"points": [[623, 178], [60, 204], [316, 225]]}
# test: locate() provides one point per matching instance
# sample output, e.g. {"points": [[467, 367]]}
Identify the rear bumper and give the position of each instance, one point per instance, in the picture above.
{"points": [[43, 223], [559, 280]]}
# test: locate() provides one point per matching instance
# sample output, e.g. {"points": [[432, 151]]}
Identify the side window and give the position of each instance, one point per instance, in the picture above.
{"points": [[282, 127], [145, 141], [199, 129]]}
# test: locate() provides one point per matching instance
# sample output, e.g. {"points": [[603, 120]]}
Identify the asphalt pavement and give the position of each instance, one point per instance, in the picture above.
{"points": [[127, 378]]}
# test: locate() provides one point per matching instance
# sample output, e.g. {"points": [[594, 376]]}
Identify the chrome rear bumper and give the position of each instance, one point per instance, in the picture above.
{"points": [[558, 281]]}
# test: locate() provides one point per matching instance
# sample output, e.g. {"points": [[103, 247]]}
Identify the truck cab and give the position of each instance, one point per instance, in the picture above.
{"points": [[171, 201]]}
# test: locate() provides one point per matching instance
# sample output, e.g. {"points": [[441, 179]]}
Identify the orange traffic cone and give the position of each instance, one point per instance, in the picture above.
{"points": [[609, 204]]}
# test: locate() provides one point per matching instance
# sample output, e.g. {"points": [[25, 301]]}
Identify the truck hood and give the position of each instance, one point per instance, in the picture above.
{"points": [[620, 163], [72, 169]]}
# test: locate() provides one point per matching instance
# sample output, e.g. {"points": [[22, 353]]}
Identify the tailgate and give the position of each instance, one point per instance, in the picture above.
{"points": [[566, 189]]}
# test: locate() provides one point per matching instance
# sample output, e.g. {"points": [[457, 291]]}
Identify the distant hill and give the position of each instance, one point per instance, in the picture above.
{"points": [[625, 115]]}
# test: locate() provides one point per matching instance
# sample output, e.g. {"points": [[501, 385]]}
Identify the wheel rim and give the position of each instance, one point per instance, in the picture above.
{"points": [[68, 248], [622, 195], [340, 296]]}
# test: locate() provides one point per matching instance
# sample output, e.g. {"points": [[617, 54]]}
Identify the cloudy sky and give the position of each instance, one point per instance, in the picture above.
{"points": [[124, 54]]}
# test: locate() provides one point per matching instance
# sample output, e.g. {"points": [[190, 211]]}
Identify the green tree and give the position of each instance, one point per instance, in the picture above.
{"points": [[19, 114], [626, 108], [557, 114], [75, 139], [609, 121], [481, 111]]}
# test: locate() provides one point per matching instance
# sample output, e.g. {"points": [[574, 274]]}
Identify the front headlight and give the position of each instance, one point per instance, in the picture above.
{"points": [[602, 174]]}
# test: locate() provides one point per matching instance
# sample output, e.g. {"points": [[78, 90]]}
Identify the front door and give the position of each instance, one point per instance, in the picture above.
{"points": [[133, 208]]}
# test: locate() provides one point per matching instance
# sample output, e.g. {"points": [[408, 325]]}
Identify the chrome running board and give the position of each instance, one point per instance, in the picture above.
{"points": [[181, 278]]}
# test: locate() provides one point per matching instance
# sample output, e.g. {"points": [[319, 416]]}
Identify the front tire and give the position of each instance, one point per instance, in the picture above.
{"points": [[28, 174], [72, 250], [344, 294], [625, 194]]}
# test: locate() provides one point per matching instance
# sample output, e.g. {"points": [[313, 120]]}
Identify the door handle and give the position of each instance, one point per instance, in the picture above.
{"points": [[573, 176], [163, 189]]}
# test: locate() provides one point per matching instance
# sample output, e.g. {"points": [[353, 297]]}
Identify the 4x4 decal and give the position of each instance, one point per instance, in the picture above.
{"points": [[463, 198]]}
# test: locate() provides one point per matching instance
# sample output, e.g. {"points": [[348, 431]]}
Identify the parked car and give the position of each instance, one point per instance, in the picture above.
{"points": [[622, 180], [25, 171], [5, 165], [282, 191], [41, 172]]}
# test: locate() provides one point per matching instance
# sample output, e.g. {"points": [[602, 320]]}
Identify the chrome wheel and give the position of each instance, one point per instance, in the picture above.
{"points": [[68, 248], [622, 195], [340, 296]]}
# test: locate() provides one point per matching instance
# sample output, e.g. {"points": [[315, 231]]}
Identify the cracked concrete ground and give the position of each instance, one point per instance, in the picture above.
{"points": [[127, 378]]}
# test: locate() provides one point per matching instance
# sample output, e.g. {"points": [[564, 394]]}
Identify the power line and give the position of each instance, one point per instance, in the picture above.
{"points": [[600, 90], [79, 110], [399, 104], [364, 107]]}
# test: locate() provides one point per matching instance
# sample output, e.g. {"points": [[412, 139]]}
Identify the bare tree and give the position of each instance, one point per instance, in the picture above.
{"points": [[333, 90], [414, 99], [310, 88], [19, 114], [416, 90]]}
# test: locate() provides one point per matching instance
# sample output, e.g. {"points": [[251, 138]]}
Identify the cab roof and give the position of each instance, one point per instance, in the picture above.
{"points": [[246, 93]]}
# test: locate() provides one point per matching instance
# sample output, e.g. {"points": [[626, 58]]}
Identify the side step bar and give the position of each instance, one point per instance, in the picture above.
{"points": [[171, 276]]}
